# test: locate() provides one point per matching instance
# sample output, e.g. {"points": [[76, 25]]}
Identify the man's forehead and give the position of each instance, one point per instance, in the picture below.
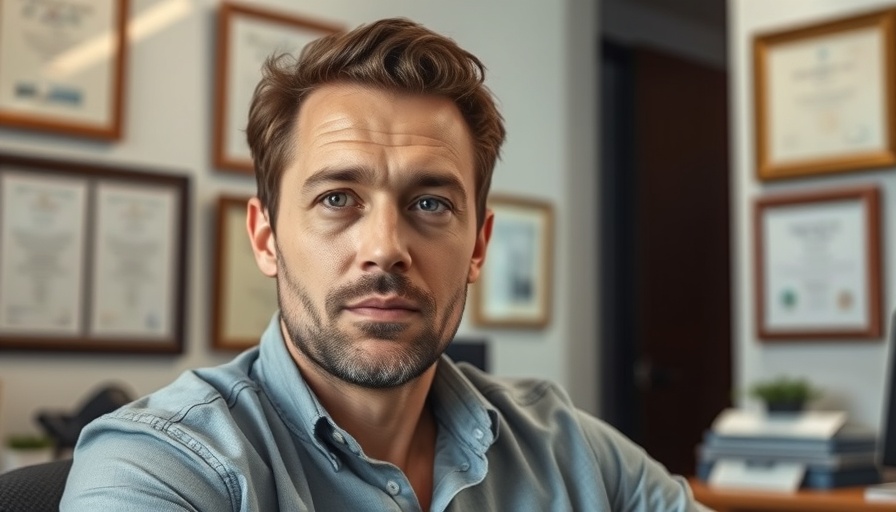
{"points": [[345, 121], [340, 106]]}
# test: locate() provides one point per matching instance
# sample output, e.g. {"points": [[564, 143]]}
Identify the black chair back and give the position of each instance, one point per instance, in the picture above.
{"points": [[35, 488]]}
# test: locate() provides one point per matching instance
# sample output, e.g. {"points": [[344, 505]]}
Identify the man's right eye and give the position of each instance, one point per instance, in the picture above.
{"points": [[337, 200]]}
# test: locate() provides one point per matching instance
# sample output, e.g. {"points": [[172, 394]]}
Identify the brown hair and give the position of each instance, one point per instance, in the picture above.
{"points": [[395, 54]]}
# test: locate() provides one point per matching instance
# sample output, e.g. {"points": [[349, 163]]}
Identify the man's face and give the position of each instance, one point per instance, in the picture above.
{"points": [[376, 237]]}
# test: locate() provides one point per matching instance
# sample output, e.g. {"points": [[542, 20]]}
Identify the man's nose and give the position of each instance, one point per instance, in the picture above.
{"points": [[384, 243]]}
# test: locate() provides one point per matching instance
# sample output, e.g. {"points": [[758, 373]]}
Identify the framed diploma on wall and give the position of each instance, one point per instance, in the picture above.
{"points": [[825, 97], [246, 37], [818, 265], [91, 257], [244, 298], [514, 289], [62, 66]]}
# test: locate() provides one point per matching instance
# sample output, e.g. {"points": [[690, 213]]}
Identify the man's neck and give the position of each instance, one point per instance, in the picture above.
{"points": [[394, 425]]}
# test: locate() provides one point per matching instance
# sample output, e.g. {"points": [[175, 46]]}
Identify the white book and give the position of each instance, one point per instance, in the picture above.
{"points": [[805, 424], [881, 492]]}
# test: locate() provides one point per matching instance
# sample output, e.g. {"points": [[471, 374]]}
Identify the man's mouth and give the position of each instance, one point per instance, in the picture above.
{"points": [[383, 309]]}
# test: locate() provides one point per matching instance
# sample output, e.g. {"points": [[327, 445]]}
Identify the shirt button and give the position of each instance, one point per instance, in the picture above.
{"points": [[465, 466], [338, 438], [392, 487], [478, 434]]}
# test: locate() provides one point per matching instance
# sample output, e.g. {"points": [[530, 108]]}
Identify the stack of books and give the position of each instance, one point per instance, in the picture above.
{"points": [[847, 458]]}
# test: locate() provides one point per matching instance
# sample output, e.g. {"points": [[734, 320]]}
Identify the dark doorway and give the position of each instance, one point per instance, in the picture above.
{"points": [[665, 237]]}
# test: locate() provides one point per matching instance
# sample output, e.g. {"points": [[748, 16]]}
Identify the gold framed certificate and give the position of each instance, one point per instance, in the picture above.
{"points": [[91, 257], [818, 265], [244, 298], [514, 289], [246, 37], [62, 66], [825, 97]]}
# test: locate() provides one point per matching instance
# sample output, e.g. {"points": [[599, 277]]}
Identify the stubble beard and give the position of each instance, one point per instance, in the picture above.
{"points": [[339, 352]]}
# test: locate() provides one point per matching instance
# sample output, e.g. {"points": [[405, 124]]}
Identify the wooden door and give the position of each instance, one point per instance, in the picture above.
{"points": [[672, 267]]}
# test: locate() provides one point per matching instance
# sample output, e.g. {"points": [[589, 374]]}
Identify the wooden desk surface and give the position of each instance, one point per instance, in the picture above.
{"points": [[847, 499]]}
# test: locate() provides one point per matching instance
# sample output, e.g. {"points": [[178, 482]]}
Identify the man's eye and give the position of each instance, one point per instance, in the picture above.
{"points": [[337, 200], [432, 205]]}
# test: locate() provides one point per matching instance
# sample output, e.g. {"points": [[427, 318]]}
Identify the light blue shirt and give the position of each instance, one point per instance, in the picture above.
{"points": [[251, 436]]}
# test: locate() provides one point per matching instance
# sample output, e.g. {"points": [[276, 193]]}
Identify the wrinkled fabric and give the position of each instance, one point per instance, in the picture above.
{"points": [[251, 436]]}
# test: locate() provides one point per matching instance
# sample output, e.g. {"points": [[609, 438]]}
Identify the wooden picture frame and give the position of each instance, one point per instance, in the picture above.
{"points": [[818, 265], [514, 289], [63, 71], [244, 298], [824, 97], [246, 36], [92, 257]]}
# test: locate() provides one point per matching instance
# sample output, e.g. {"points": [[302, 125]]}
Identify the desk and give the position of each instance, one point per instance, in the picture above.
{"points": [[848, 499]]}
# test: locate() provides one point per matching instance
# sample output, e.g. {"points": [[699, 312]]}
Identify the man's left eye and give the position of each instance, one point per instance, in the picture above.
{"points": [[431, 204]]}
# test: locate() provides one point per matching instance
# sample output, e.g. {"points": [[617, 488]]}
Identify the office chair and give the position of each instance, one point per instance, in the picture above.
{"points": [[35, 488], [64, 428]]}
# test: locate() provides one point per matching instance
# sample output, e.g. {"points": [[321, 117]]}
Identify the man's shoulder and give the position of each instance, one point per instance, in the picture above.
{"points": [[196, 397], [539, 404], [516, 392]]}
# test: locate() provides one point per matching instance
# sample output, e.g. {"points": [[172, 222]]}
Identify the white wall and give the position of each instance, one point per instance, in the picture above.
{"points": [[542, 66], [852, 373]]}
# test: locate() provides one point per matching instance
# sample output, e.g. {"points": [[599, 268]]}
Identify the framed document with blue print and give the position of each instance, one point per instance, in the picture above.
{"points": [[62, 65], [514, 289], [818, 265]]}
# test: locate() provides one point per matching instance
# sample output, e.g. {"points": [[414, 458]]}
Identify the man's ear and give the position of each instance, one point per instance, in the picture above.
{"points": [[478, 259], [261, 236]]}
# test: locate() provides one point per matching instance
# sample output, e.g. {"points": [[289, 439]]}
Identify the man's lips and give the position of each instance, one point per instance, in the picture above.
{"points": [[383, 308]]}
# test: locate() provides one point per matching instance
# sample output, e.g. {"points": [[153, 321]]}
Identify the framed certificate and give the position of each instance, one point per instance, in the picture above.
{"points": [[245, 299], [62, 66], [825, 97], [246, 37], [91, 257], [818, 266], [514, 289]]}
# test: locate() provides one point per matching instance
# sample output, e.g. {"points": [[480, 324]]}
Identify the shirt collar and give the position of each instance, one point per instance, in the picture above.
{"points": [[281, 380], [457, 404]]}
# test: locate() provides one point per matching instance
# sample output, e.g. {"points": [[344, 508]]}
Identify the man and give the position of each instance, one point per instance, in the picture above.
{"points": [[373, 157]]}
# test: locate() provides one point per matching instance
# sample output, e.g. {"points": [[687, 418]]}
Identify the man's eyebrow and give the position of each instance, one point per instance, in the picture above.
{"points": [[431, 179], [330, 174], [367, 176]]}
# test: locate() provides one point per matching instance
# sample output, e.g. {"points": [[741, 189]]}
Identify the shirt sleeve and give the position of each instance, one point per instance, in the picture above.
{"points": [[136, 466], [634, 481]]}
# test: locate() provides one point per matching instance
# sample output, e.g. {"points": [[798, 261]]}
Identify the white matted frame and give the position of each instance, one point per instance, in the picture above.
{"points": [[817, 265], [514, 289], [62, 66], [246, 37], [824, 97]]}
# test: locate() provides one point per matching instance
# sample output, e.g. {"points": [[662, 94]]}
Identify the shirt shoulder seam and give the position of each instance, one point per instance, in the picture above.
{"points": [[170, 427]]}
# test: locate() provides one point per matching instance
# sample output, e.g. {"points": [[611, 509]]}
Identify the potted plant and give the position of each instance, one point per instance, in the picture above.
{"points": [[784, 394], [25, 450]]}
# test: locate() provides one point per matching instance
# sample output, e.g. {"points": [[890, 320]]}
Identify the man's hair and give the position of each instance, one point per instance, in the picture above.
{"points": [[393, 54]]}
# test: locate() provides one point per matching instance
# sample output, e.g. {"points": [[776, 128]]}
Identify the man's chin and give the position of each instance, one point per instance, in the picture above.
{"points": [[383, 331]]}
